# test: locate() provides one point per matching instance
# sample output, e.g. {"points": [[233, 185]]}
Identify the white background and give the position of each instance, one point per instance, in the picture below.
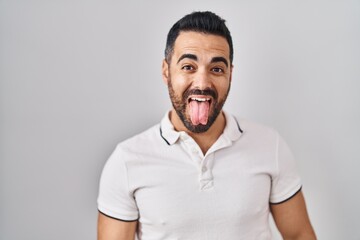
{"points": [[77, 77]]}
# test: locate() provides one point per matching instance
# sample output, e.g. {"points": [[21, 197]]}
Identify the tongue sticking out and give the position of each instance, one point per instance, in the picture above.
{"points": [[199, 112]]}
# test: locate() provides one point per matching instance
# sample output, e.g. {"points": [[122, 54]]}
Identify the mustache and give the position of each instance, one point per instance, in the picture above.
{"points": [[206, 92]]}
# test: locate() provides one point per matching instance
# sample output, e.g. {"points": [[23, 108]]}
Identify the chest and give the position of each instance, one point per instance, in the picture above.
{"points": [[225, 189]]}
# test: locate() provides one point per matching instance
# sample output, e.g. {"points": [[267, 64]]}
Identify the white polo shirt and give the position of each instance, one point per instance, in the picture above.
{"points": [[162, 179]]}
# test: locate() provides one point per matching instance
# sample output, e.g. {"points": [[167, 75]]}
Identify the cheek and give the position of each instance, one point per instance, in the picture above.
{"points": [[179, 83], [222, 86]]}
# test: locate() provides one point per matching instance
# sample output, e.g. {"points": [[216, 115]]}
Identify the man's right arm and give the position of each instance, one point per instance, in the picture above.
{"points": [[113, 229]]}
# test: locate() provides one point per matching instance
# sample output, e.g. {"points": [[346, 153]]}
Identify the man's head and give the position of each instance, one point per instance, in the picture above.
{"points": [[197, 69]]}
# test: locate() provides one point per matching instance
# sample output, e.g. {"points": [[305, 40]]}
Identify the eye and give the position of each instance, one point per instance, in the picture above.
{"points": [[217, 70], [187, 68]]}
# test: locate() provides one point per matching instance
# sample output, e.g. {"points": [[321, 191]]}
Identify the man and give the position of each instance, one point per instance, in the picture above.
{"points": [[201, 173]]}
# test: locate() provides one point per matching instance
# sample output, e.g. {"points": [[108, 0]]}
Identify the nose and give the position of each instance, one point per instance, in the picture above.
{"points": [[202, 80]]}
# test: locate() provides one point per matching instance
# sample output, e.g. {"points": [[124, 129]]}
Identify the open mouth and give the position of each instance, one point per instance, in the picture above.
{"points": [[199, 99], [199, 109]]}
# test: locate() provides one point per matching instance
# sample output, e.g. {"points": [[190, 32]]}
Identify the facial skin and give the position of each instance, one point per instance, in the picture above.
{"points": [[199, 69]]}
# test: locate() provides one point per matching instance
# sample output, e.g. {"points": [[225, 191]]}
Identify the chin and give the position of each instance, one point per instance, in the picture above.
{"points": [[197, 128]]}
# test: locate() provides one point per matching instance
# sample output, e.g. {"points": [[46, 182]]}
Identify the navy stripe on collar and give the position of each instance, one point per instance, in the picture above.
{"points": [[237, 123], [163, 137]]}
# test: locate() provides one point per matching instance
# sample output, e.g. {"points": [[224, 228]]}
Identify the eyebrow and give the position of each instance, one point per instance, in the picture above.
{"points": [[187, 55], [220, 59], [194, 57]]}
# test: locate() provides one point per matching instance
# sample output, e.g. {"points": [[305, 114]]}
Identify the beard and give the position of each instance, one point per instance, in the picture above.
{"points": [[180, 103]]}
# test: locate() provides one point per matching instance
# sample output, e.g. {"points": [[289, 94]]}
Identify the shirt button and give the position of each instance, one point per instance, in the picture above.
{"points": [[204, 169]]}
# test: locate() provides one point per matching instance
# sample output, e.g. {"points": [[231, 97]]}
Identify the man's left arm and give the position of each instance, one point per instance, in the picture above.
{"points": [[292, 220]]}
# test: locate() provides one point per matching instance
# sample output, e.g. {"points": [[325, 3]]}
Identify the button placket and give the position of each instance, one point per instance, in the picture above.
{"points": [[191, 148], [206, 177], [204, 163]]}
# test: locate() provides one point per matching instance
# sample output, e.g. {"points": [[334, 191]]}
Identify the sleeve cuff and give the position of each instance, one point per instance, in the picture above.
{"points": [[123, 220], [118, 216], [286, 197]]}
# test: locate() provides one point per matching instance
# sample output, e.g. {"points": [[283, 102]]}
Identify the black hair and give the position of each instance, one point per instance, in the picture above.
{"points": [[204, 22]]}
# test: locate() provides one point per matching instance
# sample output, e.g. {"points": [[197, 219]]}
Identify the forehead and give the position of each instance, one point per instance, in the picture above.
{"points": [[201, 44]]}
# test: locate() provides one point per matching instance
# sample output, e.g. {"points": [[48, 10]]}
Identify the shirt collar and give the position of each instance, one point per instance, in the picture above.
{"points": [[232, 129], [167, 130]]}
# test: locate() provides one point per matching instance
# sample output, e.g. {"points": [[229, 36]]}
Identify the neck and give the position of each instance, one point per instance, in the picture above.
{"points": [[206, 139]]}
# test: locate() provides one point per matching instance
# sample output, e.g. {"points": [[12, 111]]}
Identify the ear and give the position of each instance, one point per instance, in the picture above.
{"points": [[165, 72]]}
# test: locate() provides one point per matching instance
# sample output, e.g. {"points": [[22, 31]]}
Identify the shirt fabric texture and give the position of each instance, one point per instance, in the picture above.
{"points": [[162, 179]]}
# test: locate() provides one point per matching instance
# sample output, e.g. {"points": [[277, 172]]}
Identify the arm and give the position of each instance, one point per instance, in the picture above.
{"points": [[112, 229], [292, 219]]}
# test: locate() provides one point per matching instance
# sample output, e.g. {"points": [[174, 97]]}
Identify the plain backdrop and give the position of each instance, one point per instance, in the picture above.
{"points": [[77, 77]]}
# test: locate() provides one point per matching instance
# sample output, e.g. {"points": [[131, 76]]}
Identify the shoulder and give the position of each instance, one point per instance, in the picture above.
{"points": [[141, 141], [140, 150], [145, 145], [129, 150], [251, 128]]}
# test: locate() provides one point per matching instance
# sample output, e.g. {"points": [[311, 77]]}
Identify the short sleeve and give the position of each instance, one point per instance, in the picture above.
{"points": [[286, 182], [115, 199]]}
